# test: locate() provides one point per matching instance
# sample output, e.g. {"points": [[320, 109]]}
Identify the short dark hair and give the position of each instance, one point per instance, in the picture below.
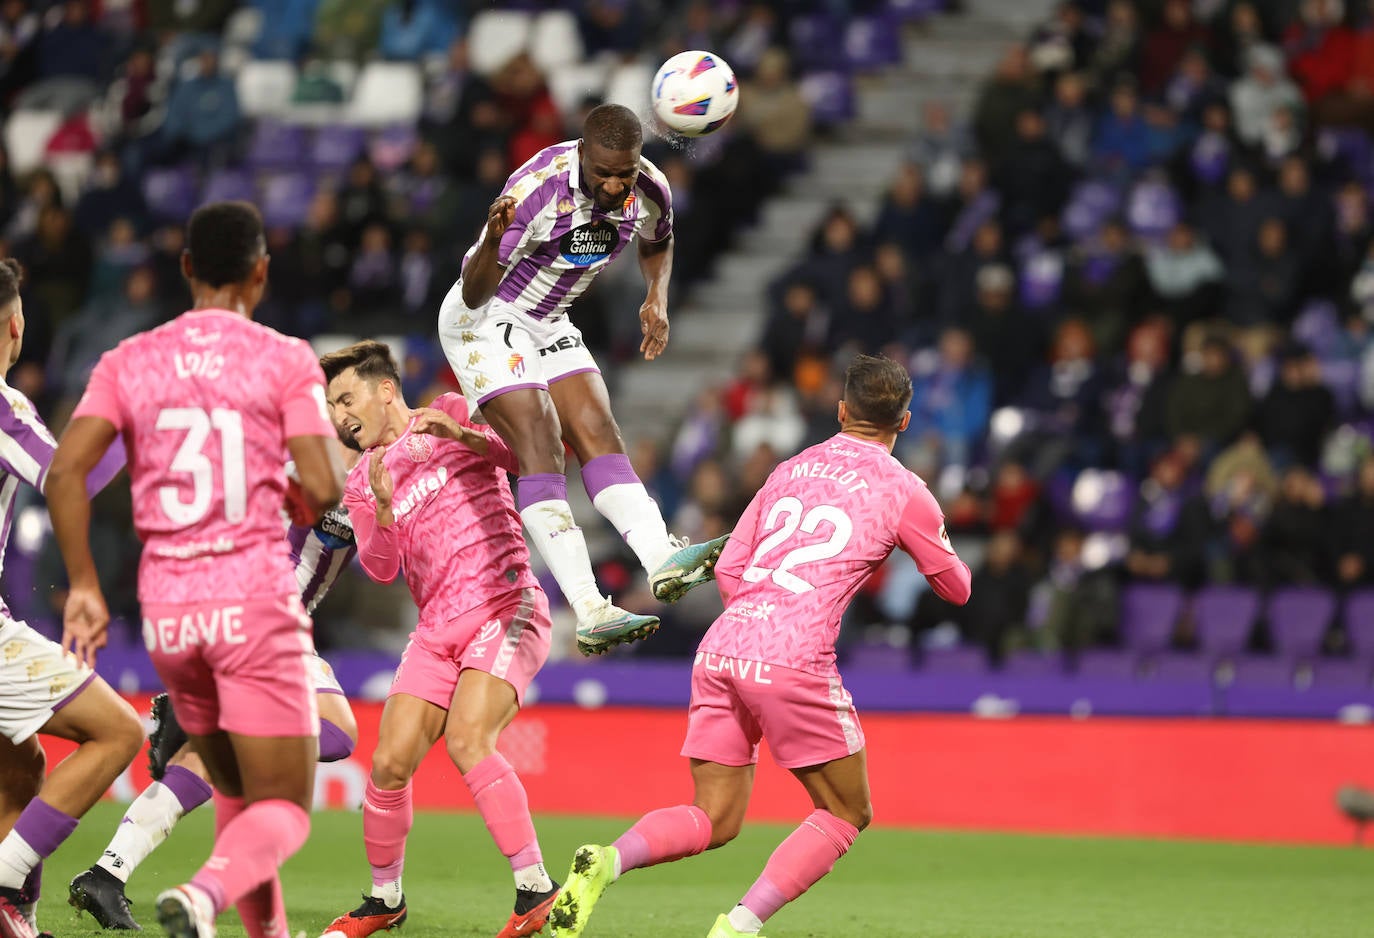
{"points": [[225, 240], [877, 391], [613, 126], [11, 276], [369, 359]]}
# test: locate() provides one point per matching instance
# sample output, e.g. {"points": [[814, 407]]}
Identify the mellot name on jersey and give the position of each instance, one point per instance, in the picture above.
{"points": [[825, 470]]}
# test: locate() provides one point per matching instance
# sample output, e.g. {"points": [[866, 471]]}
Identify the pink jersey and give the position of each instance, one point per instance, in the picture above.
{"points": [[205, 405], [825, 520], [456, 535]]}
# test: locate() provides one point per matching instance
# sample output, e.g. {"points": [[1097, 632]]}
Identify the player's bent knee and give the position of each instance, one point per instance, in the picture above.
{"points": [[467, 747], [389, 771], [124, 731], [859, 815]]}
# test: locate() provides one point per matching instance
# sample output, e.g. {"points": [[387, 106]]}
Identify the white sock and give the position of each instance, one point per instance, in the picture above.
{"points": [[637, 517], [146, 824], [390, 893], [742, 920], [16, 859], [533, 878], [559, 541]]}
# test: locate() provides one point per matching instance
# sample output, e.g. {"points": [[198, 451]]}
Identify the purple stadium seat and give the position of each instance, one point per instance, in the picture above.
{"points": [[1254, 671], [1348, 145], [170, 193], [1149, 612], [830, 96], [1107, 664], [1340, 672], [286, 198], [336, 146], [276, 145], [1028, 663], [871, 42], [1225, 616], [392, 147], [227, 184], [1298, 618], [960, 660], [1318, 327], [1359, 621], [876, 657], [1179, 668]]}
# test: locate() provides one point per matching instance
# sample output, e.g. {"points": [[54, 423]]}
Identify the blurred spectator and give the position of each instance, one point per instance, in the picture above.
{"points": [[1354, 519], [1263, 90], [110, 194], [1033, 178], [1240, 488], [1185, 274], [1169, 527], [413, 29], [796, 327], [940, 148], [1009, 91], [202, 115], [776, 115], [292, 23], [1320, 48], [1213, 403], [611, 26], [132, 96], [1118, 51], [317, 84], [71, 44], [951, 400], [771, 419], [1167, 44], [1121, 144], [1136, 406], [1000, 598], [974, 204], [19, 28], [1005, 336], [1298, 540], [372, 278], [119, 253], [348, 29], [1295, 416], [1106, 285], [1069, 119], [102, 324], [866, 322], [421, 288], [58, 261], [1068, 393], [1243, 30], [1193, 87], [1263, 281], [1080, 600], [191, 16], [1065, 42], [361, 199]]}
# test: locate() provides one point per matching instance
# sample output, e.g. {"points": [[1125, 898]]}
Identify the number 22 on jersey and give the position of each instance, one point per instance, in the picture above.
{"points": [[191, 460], [787, 516]]}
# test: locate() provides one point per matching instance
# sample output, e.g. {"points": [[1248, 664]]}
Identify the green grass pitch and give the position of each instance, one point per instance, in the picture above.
{"points": [[893, 883]]}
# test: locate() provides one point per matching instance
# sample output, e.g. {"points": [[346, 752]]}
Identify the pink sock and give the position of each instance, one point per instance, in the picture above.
{"points": [[387, 818], [807, 854], [663, 836], [250, 848], [501, 799], [263, 911]]}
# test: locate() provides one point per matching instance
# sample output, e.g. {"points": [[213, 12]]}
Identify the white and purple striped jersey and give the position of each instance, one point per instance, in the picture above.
{"points": [[26, 450], [559, 240], [320, 554]]}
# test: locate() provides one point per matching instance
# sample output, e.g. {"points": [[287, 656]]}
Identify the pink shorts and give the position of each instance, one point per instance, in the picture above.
{"points": [[808, 719], [241, 667], [508, 637]]}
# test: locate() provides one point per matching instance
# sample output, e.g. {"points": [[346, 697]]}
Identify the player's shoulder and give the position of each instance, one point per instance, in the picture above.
{"points": [[652, 182], [16, 402], [549, 163]]}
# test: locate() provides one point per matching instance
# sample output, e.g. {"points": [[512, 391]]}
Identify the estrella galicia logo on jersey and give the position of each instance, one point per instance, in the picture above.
{"points": [[334, 530], [516, 364], [590, 243], [418, 447]]}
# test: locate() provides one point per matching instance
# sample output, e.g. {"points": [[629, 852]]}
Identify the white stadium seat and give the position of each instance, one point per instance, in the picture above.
{"points": [[386, 93], [629, 85], [26, 135], [265, 88], [497, 36], [555, 41], [243, 27], [570, 84]]}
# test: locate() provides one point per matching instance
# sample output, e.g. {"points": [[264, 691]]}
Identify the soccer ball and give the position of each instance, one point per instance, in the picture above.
{"points": [[694, 93]]}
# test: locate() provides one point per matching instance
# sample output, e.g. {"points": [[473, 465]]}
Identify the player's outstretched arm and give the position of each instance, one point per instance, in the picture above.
{"points": [[84, 444], [921, 533], [656, 263], [319, 472], [483, 270]]}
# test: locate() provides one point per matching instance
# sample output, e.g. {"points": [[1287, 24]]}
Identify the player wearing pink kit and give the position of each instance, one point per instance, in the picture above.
{"points": [[824, 521], [208, 406], [430, 498]]}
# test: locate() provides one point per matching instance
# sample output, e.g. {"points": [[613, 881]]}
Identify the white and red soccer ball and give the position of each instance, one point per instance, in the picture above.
{"points": [[694, 93]]}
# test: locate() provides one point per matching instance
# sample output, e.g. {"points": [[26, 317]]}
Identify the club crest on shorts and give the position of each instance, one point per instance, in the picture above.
{"points": [[418, 447], [516, 364]]}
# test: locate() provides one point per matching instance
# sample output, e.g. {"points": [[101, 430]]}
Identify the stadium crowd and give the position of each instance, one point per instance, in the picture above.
{"points": [[1135, 287]]}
